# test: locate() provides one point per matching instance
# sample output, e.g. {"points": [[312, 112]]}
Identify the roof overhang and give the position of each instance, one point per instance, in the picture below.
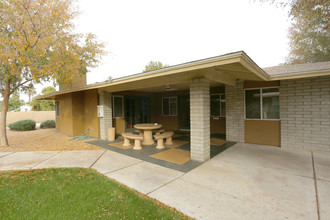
{"points": [[225, 69], [304, 74]]}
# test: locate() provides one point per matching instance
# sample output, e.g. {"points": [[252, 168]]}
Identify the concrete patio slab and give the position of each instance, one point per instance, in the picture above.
{"points": [[145, 177], [2, 154], [111, 161], [228, 190], [24, 160], [244, 182], [72, 159], [297, 162], [322, 165], [323, 188]]}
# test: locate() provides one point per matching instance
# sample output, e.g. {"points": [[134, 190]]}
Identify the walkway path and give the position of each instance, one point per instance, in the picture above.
{"points": [[244, 182]]}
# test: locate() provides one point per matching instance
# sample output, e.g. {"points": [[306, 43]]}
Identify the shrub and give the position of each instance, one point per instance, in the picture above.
{"points": [[48, 124], [23, 125]]}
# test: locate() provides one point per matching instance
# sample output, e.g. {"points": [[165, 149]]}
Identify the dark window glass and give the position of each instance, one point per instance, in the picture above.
{"points": [[166, 108], [270, 103], [58, 108], [118, 107], [215, 105], [172, 106], [169, 106], [223, 105], [252, 104]]}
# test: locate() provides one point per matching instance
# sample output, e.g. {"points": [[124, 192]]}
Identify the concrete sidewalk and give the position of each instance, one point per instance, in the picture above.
{"points": [[244, 182]]}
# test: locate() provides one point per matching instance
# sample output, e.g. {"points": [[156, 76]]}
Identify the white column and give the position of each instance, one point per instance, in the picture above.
{"points": [[106, 120], [200, 119], [235, 127]]}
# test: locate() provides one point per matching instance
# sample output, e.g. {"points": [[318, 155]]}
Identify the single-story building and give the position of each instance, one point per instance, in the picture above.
{"points": [[283, 106]]}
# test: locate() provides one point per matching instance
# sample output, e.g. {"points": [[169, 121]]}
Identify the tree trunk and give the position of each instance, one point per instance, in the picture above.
{"points": [[3, 118]]}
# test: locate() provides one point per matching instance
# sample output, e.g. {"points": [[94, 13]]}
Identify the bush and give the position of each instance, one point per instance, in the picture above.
{"points": [[23, 125], [48, 124]]}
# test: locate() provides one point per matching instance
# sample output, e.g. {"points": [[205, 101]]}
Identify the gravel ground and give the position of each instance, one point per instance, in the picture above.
{"points": [[44, 140]]}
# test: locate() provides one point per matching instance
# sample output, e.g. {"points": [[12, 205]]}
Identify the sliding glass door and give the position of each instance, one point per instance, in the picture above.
{"points": [[137, 110]]}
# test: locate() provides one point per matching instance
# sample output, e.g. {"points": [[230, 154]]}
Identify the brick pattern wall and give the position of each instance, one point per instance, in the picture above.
{"points": [[200, 119], [235, 112], [106, 120], [305, 113]]}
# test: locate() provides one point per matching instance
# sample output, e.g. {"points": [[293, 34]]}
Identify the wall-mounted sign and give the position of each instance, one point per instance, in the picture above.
{"points": [[100, 111]]}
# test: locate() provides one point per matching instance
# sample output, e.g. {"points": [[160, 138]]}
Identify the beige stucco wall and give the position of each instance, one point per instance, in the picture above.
{"points": [[218, 125], [64, 121], [38, 116], [92, 122], [266, 132], [119, 124], [78, 114]]}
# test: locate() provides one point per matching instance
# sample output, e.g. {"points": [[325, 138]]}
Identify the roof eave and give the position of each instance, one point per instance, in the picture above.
{"points": [[300, 75], [240, 56]]}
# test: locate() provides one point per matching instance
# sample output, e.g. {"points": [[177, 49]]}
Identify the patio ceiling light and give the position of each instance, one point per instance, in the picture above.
{"points": [[169, 88]]}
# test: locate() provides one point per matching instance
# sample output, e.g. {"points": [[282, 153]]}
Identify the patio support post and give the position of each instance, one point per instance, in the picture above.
{"points": [[235, 127], [106, 120], [200, 119]]}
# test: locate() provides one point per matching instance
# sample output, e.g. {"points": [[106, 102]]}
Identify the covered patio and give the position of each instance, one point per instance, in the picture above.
{"points": [[203, 98], [180, 98]]}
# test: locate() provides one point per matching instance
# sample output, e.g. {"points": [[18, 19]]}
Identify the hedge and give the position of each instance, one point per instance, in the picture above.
{"points": [[23, 125], [48, 124]]}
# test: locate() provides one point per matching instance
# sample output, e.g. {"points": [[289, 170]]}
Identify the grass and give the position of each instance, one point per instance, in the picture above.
{"points": [[73, 193]]}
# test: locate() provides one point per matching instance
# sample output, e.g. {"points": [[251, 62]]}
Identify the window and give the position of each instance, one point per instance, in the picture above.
{"points": [[57, 108], [218, 105], [262, 103], [169, 106], [117, 102]]}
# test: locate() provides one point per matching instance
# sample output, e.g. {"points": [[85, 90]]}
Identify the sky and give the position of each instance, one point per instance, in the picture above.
{"points": [[179, 31]]}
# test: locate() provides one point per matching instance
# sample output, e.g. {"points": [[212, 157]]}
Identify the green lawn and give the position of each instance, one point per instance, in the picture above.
{"points": [[73, 193]]}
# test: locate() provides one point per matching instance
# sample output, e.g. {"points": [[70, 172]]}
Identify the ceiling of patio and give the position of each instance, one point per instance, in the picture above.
{"points": [[173, 87]]}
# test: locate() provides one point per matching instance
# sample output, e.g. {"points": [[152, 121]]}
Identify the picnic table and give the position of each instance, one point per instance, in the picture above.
{"points": [[147, 131]]}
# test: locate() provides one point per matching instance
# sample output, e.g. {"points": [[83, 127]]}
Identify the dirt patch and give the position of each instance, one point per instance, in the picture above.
{"points": [[44, 140]]}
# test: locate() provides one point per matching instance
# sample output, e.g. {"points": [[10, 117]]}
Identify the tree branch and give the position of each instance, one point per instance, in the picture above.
{"points": [[34, 28], [16, 87]]}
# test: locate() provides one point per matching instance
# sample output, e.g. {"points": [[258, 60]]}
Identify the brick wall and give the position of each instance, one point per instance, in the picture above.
{"points": [[235, 112], [305, 113], [200, 119], [106, 120]]}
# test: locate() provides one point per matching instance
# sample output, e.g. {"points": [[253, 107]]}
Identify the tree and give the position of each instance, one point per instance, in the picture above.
{"points": [[154, 65], [38, 43], [44, 105], [15, 102], [48, 89], [31, 91], [309, 32]]}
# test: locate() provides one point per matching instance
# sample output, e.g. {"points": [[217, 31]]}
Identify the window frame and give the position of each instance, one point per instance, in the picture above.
{"points": [[261, 103], [58, 108], [113, 106], [169, 107], [221, 114]]}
